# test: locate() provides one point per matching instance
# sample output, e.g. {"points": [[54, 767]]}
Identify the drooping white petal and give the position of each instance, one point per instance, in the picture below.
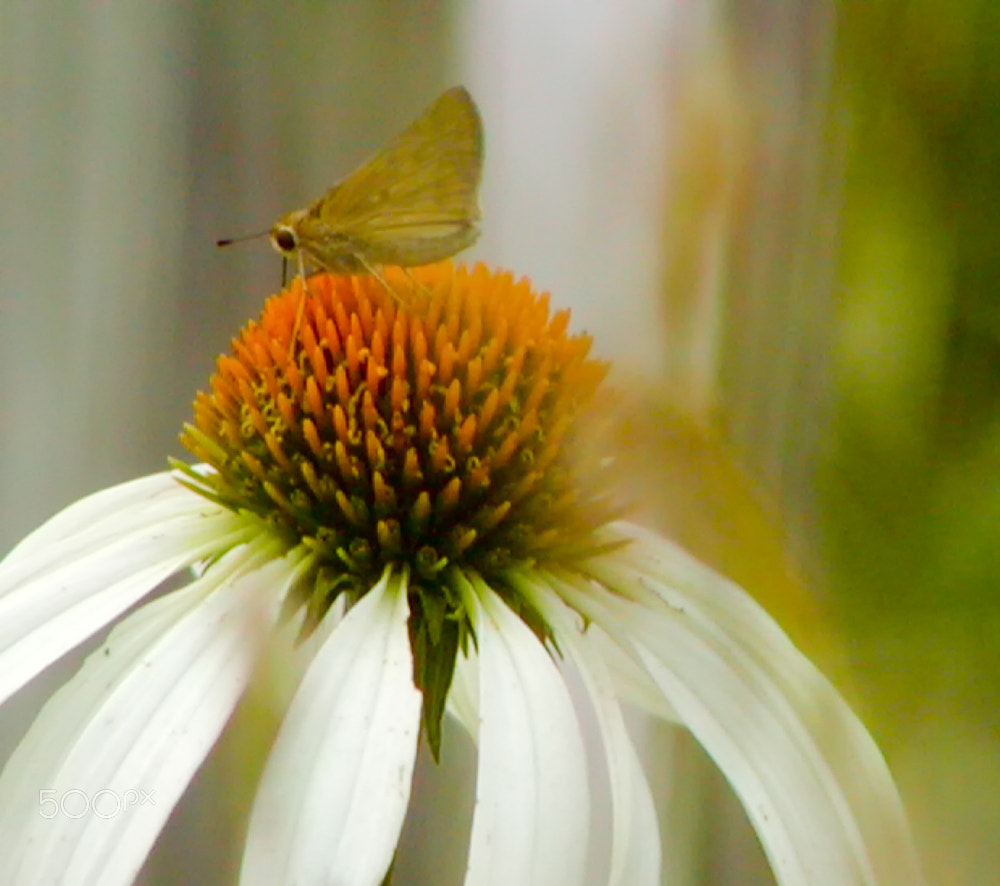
{"points": [[90, 786], [635, 836], [808, 774], [335, 790], [157, 497], [532, 813], [86, 566], [635, 833], [463, 694], [632, 682]]}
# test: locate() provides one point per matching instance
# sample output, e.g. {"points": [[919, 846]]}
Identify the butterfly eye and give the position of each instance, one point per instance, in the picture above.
{"points": [[284, 239]]}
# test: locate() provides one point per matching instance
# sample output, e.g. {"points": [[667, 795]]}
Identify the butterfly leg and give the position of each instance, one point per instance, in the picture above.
{"points": [[371, 269], [300, 313], [418, 284]]}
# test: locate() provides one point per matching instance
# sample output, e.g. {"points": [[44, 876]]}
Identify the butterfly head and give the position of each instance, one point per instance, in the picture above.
{"points": [[284, 235]]}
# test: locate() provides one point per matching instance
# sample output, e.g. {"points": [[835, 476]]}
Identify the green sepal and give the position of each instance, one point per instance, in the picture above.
{"points": [[434, 638]]}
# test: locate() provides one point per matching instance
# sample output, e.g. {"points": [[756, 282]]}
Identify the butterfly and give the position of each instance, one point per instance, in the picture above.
{"points": [[413, 203]]}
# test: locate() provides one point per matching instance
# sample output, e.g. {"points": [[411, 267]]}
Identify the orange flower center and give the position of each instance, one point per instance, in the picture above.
{"points": [[424, 427]]}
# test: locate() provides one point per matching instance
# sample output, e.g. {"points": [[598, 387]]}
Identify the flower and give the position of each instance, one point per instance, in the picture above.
{"points": [[397, 486]]}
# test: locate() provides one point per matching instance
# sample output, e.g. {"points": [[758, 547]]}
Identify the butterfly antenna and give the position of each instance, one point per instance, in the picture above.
{"points": [[228, 241]]}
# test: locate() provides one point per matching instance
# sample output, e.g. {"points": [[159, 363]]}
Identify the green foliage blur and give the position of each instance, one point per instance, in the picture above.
{"points": [[835, 199], [910, 486]]}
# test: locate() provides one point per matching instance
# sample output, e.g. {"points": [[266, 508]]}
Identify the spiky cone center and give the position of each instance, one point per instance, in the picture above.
{"points": [[426, 429]]}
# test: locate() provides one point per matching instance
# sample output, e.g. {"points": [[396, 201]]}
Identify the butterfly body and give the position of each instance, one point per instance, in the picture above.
{"points": [[413, 203]]}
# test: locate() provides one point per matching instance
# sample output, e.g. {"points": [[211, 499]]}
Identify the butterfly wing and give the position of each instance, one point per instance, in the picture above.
{"points": [[416, 200]]}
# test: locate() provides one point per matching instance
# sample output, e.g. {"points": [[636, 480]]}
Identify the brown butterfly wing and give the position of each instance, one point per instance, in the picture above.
{"points": [[416, 200]]}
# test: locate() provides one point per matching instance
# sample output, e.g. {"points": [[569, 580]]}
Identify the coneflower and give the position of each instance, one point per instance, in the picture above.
{"points": [[397, 487]]}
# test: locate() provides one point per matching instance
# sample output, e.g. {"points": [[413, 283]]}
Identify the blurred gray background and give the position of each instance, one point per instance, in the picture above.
{"points": [[778, 219]]}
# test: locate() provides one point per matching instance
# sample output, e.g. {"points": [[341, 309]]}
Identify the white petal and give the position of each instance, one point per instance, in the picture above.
{"points": [[463, 694], [808, 774], [635, 832], [632, 682], [87, 791], [74, 575], [532, 812], [148, 499], [335, 790]]}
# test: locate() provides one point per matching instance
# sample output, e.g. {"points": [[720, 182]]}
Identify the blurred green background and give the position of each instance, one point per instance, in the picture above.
{"points": [[910, 491], [847, 171], [779, 219]]}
